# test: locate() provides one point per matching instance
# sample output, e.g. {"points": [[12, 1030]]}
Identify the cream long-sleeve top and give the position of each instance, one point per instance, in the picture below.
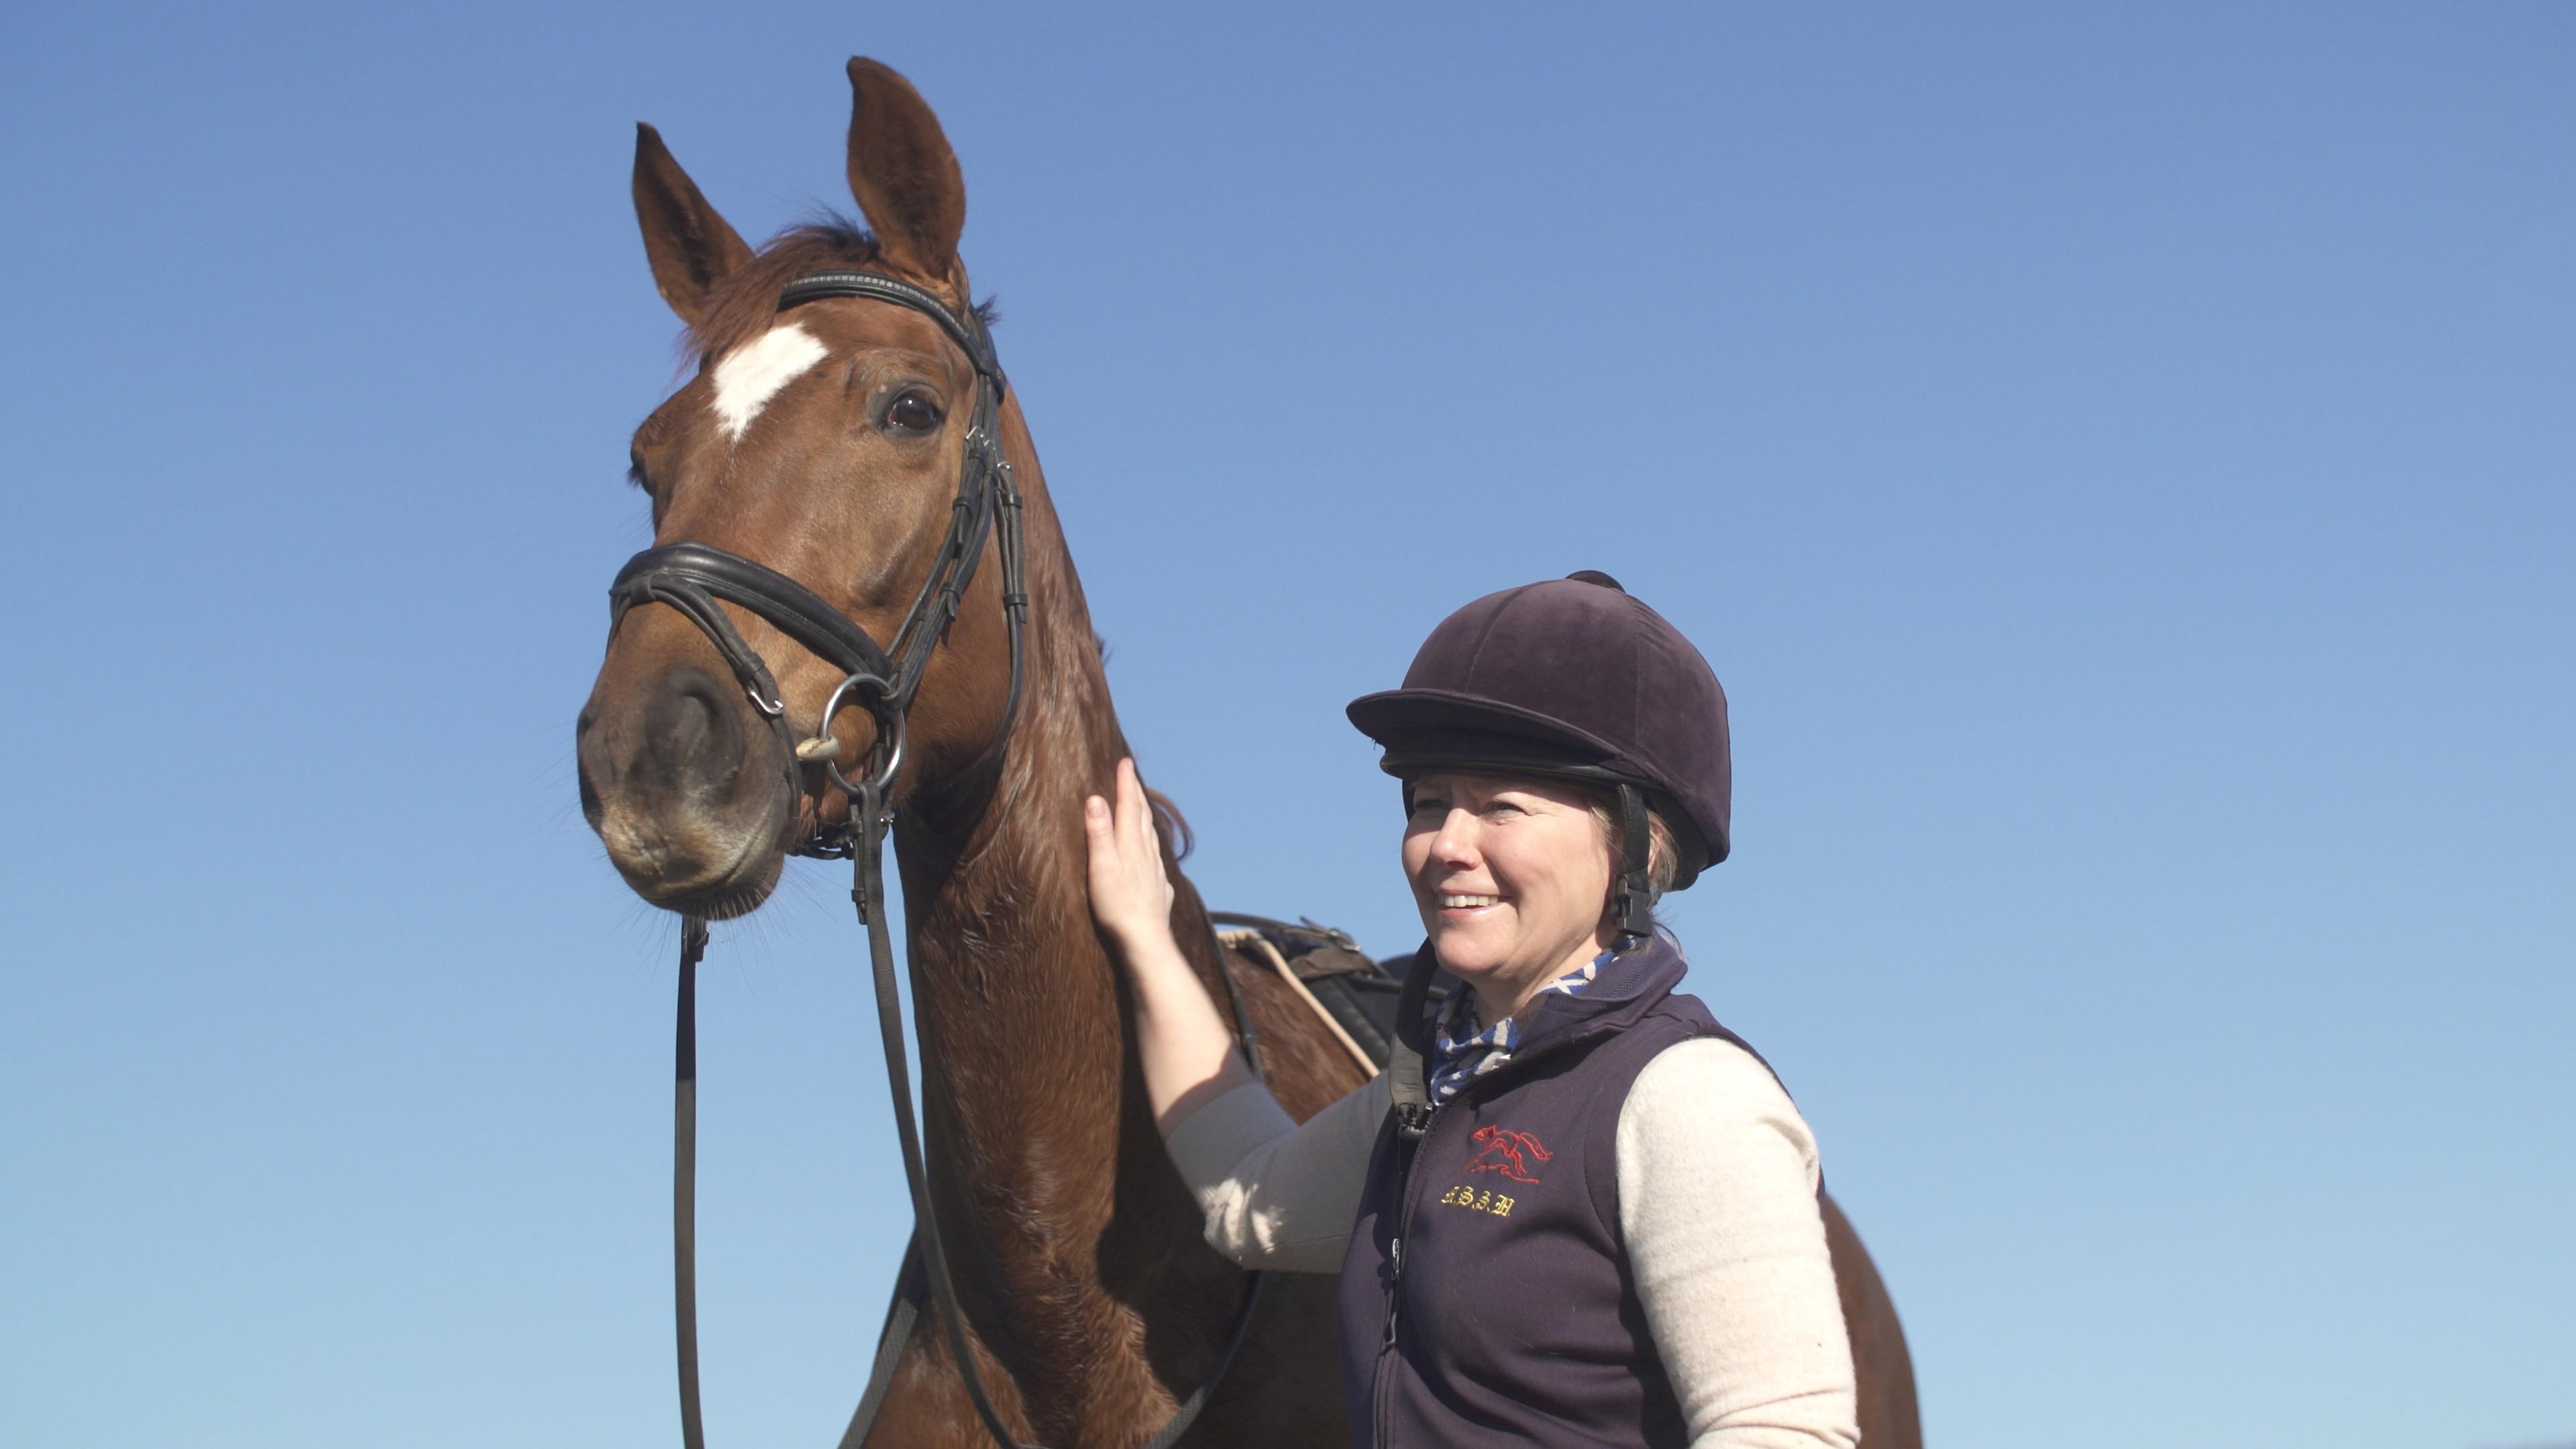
{"points": [[1717, 1201]]}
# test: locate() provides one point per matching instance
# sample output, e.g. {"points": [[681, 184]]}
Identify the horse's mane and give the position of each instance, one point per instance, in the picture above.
{"points": [[746, 303]]}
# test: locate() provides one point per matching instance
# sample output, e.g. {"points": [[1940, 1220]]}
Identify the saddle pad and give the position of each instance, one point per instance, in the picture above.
{"points": [[1358, 993]]}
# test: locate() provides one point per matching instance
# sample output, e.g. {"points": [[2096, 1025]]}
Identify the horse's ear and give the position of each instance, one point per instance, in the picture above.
{"points": [[691, 247], [904, 176]]}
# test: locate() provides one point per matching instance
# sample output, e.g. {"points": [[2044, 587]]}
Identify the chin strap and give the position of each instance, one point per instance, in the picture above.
{"points": [[1634, 904]]}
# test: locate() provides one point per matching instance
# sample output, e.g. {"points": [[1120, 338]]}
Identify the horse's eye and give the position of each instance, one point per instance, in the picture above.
{"points": [[913, 412]]}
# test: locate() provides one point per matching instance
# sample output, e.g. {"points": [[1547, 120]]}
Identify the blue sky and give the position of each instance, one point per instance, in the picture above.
{"points": [[2118, 462]]}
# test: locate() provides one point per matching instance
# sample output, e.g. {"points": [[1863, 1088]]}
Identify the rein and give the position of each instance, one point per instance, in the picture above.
{"points": [[692, 578]]}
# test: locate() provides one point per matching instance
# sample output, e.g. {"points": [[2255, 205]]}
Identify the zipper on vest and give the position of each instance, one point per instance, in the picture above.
{"points": [[1387, 1365], [1395, 1286], [1386, 1370], [1395, 1243]]}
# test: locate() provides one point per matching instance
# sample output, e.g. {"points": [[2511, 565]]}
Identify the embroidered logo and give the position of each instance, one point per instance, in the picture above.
{"points": [[1484, 1200], [1500, 1149]]}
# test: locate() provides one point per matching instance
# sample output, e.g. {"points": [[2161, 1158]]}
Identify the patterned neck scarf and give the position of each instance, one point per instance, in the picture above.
{"points": [[1463, 1049]]}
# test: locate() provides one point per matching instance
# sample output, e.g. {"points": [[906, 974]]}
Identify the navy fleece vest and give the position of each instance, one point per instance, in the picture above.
{"points": [[1486, 1297]]}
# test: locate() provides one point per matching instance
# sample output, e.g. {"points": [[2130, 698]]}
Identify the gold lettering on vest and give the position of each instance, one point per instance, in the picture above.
{"points": [[1479, 1200]]}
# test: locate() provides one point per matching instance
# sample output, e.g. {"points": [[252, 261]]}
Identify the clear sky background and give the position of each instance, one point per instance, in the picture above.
{"points": [[2118, 459]]}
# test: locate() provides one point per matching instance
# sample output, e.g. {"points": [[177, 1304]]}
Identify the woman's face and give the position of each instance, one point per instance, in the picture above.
{"points": [[1511, 877]]}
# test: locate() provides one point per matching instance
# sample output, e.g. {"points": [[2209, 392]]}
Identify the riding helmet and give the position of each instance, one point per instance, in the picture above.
{"points": [[1575, 679]]}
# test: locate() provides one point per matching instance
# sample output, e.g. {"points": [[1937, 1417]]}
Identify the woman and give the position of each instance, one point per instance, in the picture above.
{"points": [[1575, 1210]]}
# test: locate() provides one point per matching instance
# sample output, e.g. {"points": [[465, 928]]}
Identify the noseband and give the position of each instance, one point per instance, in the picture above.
{"points": [[882, 679]]}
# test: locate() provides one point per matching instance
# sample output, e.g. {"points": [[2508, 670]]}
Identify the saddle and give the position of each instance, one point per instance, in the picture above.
{"points": [[1354, 993]]}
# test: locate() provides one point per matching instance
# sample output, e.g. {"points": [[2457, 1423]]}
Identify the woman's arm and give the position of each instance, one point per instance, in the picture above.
{"points": [[1717, 1199], [1276, 1195], [1189, 1055]]}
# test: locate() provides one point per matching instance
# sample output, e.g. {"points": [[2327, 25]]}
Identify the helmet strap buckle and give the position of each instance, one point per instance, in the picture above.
{"points": [[1634, 904]]}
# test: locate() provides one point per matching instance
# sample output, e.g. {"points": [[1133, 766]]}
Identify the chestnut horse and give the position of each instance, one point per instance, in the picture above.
{"points": [[826, 444]]}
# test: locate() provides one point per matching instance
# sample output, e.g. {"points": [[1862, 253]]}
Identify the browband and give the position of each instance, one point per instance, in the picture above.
{"points": [[967, 332]]}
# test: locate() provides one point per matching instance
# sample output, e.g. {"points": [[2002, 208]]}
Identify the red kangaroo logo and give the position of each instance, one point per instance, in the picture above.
{"points": [[1500, 1149]]}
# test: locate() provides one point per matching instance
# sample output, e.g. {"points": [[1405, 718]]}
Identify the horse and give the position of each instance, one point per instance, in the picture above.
{"points": [[824, 442]]}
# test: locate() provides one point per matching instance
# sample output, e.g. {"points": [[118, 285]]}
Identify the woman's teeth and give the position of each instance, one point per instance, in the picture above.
{"points": [[1455, 903]]}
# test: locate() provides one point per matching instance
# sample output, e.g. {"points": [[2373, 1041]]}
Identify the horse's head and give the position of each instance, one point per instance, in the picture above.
{"points": [[824, 441]]}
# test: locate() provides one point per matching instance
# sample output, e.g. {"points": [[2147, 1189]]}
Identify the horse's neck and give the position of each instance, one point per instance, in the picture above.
{"points": [[1060, 1209], [1025, 1060]]}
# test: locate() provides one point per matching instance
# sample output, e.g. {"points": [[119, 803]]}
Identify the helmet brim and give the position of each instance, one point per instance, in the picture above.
{"points": [[1407, 720], [1425, 730]]}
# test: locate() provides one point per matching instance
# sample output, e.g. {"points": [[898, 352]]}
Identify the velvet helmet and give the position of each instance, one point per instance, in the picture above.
{"points": [[1572, 679]]}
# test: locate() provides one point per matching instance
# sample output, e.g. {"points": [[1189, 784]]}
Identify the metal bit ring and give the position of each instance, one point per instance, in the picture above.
{"points": [[889, 732]]}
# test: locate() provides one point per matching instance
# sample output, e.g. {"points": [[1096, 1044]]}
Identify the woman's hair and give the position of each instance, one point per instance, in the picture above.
{"points": [[1663, 858]]}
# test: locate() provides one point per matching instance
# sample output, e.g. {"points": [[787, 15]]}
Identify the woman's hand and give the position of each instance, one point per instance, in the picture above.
{"points": [[1188, 1053], [1131, 896]]}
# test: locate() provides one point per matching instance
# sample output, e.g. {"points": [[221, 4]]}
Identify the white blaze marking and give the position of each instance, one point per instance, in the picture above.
{"points": [[752, 374]]}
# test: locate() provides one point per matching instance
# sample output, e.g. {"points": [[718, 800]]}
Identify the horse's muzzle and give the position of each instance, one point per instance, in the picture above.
{"points": [[681, 783]]}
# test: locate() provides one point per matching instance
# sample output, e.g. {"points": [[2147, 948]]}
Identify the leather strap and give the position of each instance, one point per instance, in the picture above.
{"points": [[684, 1177], [669, 574], [966, 330], [1404, 1075]]}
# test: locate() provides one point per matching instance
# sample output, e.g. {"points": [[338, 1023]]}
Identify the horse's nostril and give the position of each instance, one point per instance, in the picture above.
{"points": [[691, 729], [689, 721]]}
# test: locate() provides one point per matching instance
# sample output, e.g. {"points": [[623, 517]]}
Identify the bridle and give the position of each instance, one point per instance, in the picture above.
{"points": [[692, 578]]}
